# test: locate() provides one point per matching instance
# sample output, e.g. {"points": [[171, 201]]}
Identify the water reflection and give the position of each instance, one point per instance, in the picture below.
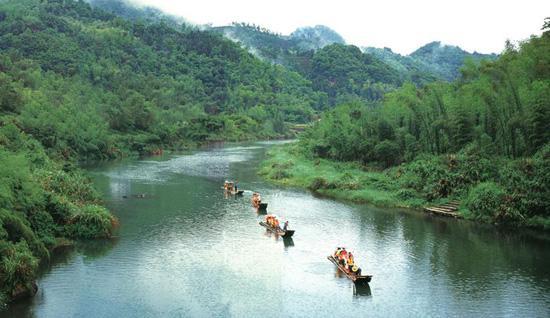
{"points": [[362, 290], [288, 242]]}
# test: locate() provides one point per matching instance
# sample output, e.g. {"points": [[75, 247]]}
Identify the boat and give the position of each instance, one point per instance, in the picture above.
{"points": [[260, 206], [357, 279], [257, 201], [230, 188], [279, 231]]}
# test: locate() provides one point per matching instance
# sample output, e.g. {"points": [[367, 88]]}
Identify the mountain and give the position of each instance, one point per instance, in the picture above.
{"points": [[277, 48], [431, 61], [344, 72], [317, 37], [129, 10], [320, 54]]}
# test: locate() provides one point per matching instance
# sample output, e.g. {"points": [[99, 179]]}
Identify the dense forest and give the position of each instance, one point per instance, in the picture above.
{"points": [[482, 139], [151, 83]]}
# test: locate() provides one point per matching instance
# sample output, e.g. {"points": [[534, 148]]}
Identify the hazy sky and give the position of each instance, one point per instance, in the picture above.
{"points": [[403, 25]]}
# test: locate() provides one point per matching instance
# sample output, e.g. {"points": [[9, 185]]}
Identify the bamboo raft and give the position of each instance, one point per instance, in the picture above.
{"points": [[450, 209], [358, 280], [239, 192], [281, 232]]}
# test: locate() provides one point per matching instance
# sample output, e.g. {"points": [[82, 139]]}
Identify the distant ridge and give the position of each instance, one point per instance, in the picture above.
{"points": [[439, 60]]}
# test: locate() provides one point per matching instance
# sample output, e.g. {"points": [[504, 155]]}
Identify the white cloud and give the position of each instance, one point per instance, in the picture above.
{"points": [[480, 25]]}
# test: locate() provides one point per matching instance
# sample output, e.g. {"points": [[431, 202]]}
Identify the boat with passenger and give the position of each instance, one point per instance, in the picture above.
{"points": [[230, 187], [345, 261], [257, 202], [272, 224]]}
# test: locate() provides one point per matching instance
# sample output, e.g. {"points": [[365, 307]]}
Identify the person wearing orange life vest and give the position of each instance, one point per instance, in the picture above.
{"points": [[350, 262], [343, 256], [255, 200]]}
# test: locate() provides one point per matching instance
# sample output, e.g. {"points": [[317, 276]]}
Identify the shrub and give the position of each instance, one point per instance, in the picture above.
{"points": [[407, 194], [488, 201], [318, 183], [17, 267], [92, 221], [44, 227], [60, 208], [18, 229], [279, 174]]}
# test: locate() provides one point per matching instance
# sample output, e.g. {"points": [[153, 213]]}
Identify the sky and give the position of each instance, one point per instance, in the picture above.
{"points": [[402, 25]]}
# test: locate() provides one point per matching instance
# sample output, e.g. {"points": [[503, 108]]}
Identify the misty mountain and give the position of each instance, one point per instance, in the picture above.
{"points": [[321, 55], [431, 61], [277, 48], [317, 37], [129, 10]]}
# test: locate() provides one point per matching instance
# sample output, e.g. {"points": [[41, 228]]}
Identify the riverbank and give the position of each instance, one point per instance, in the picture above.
{"points": [[44, 204], [424, 182], [339, 180]]}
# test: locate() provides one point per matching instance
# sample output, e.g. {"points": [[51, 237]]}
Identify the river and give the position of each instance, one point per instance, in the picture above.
{"points": [[185, 250]]}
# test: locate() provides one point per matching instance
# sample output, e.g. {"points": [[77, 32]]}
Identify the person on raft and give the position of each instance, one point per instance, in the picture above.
{"points": [[274, 222], [347, 260], [256, 199]]}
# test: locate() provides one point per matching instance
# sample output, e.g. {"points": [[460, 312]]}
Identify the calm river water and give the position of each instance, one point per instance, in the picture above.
{"points": [[187, 251]]}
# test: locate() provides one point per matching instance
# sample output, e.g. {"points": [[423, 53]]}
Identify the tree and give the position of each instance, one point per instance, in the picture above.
{"points": [[387, 152], [10, 100]]}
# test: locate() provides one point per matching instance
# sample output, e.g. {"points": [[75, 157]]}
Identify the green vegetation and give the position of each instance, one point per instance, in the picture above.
{"points": [[483, 139], [121, 86], [42, 203], [430, 62], [343, 180]]}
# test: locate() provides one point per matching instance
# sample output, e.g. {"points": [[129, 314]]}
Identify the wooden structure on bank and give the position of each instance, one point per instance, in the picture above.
{"points": [[449, 209]]}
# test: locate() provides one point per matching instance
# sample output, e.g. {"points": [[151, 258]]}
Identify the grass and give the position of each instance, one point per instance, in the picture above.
{"points": [[340, 180], [424, 182]]}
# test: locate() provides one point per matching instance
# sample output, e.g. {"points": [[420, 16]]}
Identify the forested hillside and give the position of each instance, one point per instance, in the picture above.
{"points": [[297, 51], [482, 139], [432, 61], [339, 70], [81, 83], [277, 48], [136, 84]]}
